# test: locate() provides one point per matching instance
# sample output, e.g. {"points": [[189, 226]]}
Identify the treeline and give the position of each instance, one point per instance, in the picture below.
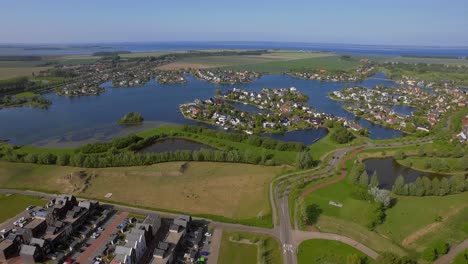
{"points": [[110, 53], [398, 68], [20, 58], [423, 186], [192, 54], [429, 57], [114, 158], [253, 140], [135, 143], [19, 84]]}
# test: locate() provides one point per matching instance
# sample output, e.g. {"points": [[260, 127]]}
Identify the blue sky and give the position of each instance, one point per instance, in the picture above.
{"points": [[396, 22]]}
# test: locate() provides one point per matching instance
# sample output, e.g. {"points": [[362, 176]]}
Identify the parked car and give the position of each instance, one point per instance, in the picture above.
{"points": [[204, 253], [208, 234], [29, 207]]}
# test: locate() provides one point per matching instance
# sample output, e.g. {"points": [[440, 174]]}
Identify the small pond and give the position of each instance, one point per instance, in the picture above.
{"points": [[173, 144], [388, 170]]}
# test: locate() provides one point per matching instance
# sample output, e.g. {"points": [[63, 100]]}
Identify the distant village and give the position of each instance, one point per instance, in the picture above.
{"points": [[278, 110], [69, 230], [319, 74], [375, 105], [226, 76]]}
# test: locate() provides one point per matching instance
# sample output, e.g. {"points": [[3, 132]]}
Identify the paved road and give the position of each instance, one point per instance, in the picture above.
{"points": [[215, 245], [449, 257], [91, 251]]}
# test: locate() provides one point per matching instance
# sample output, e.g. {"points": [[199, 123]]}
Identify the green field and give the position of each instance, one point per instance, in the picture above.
{"points": [[422, 211], [245, 248], [233, 191], [326, 252], [238, 62], [15, 203], [461, 258], [330, 63], [447, 61], [26, 95]]}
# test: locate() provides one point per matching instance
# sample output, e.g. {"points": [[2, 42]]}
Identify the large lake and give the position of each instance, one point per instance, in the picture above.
{"points": [[69, 122]]}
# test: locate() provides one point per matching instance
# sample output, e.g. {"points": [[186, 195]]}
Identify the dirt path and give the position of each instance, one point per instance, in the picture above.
{"points": [[429, 228]]}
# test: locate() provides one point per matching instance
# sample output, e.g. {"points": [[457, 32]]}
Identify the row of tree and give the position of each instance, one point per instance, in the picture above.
{"points": [[423, 186], [114, 158], [253, 140]]}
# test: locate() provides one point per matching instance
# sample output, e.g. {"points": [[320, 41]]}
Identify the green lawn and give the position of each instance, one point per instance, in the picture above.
{"points": [[15, 203], [248, 248], [26, 95], [330, 63], [462, 258], [422, 211], [326, 252], [323, 146]]}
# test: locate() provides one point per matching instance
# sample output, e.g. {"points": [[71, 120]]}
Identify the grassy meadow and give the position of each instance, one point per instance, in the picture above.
{"points": [[15, 203], [234, 191], [318, 251], [245, 248]]}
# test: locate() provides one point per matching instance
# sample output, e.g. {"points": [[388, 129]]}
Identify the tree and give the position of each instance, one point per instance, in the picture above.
{"points": [[399, 155], [304, 160], [429, 254], [398, 185], [390, 258], [355, 259], [463, 163], [458, 184], [458, 151], [63, 159], [444, 187], [355, 172], [374, 182], [30, 158], [419, 187], [301, 210], [427, 185], [422, 151], [341, 135], [435, 186], [381, 196], [218, 92], [441, 247], [364, 179]]}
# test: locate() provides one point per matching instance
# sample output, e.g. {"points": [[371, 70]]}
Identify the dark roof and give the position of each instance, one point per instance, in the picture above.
{"points": [[174, 227], [163, 245], [27, 250], [37, 241], [159, 252], [6, 244]]}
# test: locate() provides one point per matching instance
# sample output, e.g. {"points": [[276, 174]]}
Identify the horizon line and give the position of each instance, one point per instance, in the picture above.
{"points": [[228, 41]]}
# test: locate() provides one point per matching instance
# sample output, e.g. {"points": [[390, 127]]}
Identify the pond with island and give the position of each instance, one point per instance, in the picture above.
{"points": [[70, 122]]}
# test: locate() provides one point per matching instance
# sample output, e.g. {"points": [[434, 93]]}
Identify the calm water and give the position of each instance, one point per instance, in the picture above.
{"points": [[73, 121], [168, 145], [387, 50], [388, 170]]}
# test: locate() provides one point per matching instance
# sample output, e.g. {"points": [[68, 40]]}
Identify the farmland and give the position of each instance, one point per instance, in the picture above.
{"points": [[235, 191]]}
